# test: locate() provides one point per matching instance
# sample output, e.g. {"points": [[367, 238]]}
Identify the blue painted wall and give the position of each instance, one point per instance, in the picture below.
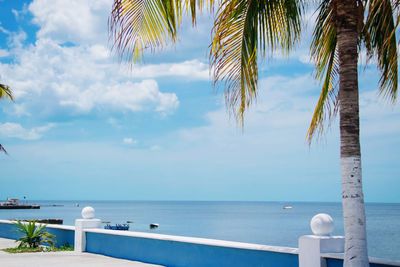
{"points": [[62, 236], [9, 231], [173, 253]]}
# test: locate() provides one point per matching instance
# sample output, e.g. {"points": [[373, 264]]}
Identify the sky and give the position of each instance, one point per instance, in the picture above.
{"points": [[86, 127]]}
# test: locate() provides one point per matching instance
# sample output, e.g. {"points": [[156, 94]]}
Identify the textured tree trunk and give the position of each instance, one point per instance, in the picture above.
{"points": [[350, 153]]}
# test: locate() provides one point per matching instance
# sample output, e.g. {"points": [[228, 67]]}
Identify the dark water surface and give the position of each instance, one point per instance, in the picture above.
{"points": [[252, 222]]}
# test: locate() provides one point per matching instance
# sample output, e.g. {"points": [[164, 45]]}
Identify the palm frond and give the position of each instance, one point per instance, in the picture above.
{"points": [[136, 25], [324, 53], [33, 235], [192, 6], [382, 43], [5, 91], [140, 24], [243, 30]]}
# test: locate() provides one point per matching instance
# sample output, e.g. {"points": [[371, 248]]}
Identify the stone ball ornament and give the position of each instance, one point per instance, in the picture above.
{"points": [[322, 224], [88, 212]]}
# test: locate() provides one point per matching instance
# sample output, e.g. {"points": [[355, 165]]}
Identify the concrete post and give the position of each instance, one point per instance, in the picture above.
{"points": [[311, 246], [87, 222]]}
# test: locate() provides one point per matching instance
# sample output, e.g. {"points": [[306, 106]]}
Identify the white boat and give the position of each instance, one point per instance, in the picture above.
{"points": [[287, 207]]}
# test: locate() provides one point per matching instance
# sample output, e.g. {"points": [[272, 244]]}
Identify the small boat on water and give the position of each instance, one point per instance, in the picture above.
{"points": [[154, 225], [123, 227], [287, 207]]}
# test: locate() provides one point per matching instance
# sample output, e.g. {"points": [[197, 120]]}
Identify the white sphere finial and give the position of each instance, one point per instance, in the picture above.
{"points": [[87, 212], [322, 224]]}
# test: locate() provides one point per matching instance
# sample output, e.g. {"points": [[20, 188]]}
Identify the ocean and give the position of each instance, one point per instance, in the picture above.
{"points": [[253, 222]]}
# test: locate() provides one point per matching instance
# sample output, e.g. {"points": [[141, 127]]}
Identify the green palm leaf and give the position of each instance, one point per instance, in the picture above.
{"points": [[33, 235], [382, 43], [324, 53], [136, 25], [378, 36], [5, 91], [243, 30]]}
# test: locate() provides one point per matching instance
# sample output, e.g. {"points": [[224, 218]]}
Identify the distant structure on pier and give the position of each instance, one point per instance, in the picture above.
{"points": [[13, 203]]}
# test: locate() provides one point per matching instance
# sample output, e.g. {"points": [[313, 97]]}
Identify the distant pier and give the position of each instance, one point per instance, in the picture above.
{"points": [[13, 204], [14, 207]]}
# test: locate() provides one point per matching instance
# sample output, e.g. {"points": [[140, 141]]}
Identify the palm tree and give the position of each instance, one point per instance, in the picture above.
{"points": [[245, 30], [32, 235], [5, 91]]}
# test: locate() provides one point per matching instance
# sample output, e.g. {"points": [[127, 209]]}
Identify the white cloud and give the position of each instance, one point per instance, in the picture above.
{"points": [[130, 96], [4, 30], [114, 122], [82, 78], [76, 21], [191, 69], [278, 120], [20, 110], [4, 53], [16, 39], [20, 13], [378, 116], [15, 130], [129, 141], [155, 148]]}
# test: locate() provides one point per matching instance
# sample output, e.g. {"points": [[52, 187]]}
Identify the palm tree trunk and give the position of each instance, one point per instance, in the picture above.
{"points": [[350, 152]]}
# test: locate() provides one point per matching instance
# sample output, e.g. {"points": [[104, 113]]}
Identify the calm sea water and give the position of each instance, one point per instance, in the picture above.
{"points": [[253, 222]]}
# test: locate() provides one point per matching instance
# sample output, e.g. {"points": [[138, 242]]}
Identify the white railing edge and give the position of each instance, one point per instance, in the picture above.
{"points": [[55, 226], [197, 240]]}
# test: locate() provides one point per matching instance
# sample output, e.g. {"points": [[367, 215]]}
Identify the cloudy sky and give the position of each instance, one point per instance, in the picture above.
{"points": [[84, 126]]}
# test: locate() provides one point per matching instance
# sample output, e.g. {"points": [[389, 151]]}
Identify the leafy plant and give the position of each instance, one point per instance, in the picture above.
{"points": [[33, 235]]}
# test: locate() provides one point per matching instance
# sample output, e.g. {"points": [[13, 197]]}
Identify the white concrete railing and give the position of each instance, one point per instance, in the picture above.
{"points": [[90, 224], [313, 249], [197, 240], [55, 226], [81, 225], [312, 246]]}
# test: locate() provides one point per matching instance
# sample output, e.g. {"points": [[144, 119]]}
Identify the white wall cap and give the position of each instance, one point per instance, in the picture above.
{"points": [[197, 240], [322, 224], [56, 226], [61, 226], [88, 212]]}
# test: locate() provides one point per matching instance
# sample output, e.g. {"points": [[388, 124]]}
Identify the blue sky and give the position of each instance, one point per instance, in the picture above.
{"points": [[84, 126]]}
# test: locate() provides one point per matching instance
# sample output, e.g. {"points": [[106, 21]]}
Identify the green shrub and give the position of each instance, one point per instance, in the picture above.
{"points": [[33, 235]]}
